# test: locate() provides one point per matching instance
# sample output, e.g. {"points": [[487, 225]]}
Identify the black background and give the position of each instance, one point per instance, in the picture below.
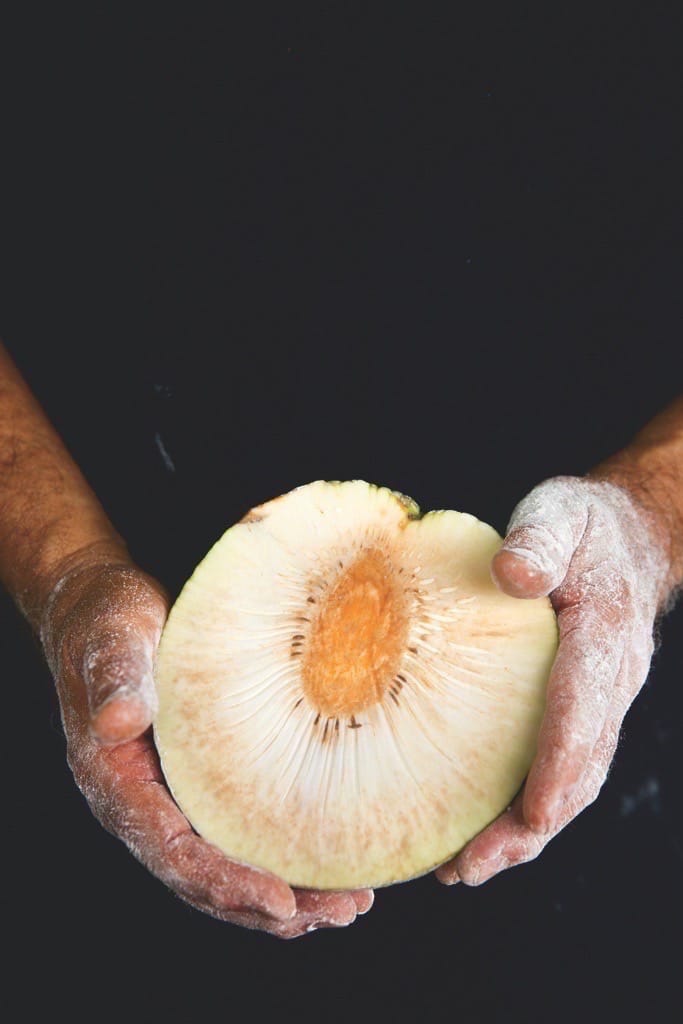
{"points": [[385, 244]]}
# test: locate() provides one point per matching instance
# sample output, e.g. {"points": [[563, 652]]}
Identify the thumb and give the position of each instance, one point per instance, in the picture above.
{"points": [[543, 534], [119, 680]]}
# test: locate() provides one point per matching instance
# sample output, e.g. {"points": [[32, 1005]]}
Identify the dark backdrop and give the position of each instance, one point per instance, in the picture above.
{"points": [[237, 255]]}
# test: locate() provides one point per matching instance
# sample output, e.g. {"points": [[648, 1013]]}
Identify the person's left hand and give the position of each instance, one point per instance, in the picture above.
{"points": [[603, 559]]}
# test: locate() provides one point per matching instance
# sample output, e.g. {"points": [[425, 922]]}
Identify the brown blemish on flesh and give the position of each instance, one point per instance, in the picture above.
{"points": [[260, 512], [253, 517]]}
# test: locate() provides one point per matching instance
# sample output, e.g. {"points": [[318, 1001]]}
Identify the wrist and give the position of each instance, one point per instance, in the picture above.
{"points": [[66, 555], [644, 474]]}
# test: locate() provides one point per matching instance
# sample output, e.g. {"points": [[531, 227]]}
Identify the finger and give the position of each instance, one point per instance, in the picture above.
{"points": [[309, 917], [491, 851], [447, 873], [364, 899], [199, 870], [543, 534], [326, 909], [597, 767], [506, 841], [150, 823], [314, 910], [317, 909], [245, 919], [252, 920], [202, 874], [579, 694], [633, 673], [119, 680], [509, 840]]}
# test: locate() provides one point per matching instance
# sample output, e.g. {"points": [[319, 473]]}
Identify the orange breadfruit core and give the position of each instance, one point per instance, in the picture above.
{"points": [[357, 639]]}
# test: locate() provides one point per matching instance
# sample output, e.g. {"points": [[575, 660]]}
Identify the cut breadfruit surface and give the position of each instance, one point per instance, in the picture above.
{"points": [[345, 697]]}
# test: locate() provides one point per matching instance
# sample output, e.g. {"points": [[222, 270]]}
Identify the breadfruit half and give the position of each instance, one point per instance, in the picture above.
{"points": [[345, 697]]}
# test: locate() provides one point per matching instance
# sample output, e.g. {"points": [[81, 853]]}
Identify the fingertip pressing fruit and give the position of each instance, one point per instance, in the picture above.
{"points": [[345, 696]]}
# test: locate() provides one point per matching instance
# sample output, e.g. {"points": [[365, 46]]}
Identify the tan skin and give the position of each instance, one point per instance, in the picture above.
{"points": [[99, 618]]}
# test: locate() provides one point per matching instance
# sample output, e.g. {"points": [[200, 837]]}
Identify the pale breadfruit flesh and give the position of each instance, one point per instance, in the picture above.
{"points": [[345, 697]]}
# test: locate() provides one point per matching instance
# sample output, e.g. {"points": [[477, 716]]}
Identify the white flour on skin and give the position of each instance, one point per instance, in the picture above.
{"points": [[569, 525], [595, 552], [605, 570], [118, 664]]}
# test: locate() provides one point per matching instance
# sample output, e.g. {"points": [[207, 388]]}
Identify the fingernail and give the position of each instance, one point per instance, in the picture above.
{"points": [[518, 571], [528, 557]]}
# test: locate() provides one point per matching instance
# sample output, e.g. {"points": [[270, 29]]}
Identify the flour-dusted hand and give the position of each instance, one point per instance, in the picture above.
{"points": [[101, 626], [100, 630], [604, 559], [100, 618]]}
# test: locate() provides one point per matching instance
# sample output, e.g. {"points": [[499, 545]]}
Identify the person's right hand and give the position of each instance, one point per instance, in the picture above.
{"points": [[100, 630]]}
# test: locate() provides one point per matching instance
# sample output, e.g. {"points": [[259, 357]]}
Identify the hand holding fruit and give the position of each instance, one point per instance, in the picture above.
{"points": [[100, 629], [604, 560]]}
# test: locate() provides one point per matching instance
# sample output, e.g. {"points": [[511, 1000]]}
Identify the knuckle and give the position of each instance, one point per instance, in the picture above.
{"points": [[549, 491], [560, 500]]}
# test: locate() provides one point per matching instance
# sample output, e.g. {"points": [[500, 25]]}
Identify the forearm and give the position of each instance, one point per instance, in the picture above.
{"points": [[651, 469], [48, 512]]}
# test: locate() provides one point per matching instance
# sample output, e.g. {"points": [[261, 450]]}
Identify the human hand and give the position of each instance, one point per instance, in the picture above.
{"points": [[100, 630], [602, 558]]}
